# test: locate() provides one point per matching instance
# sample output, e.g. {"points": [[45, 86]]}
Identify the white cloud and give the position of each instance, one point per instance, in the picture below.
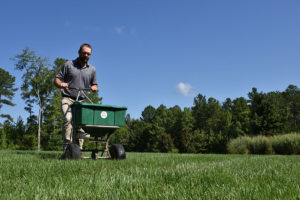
{"points": [[120, 29], [184, 88]]}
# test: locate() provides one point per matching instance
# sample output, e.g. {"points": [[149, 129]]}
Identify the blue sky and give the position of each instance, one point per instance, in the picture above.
{"points": [[161, 51]]}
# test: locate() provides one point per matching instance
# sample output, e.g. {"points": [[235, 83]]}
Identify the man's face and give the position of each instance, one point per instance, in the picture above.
{"points": [[85, 54]]}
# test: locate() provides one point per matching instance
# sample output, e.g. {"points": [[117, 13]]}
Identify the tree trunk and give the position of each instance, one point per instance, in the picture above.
{"points": [[39, 120], [39, 129]]}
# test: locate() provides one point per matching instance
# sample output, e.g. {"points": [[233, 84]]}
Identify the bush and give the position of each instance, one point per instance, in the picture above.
{"points": [[239, 145], [281, 144], [260, 145], [29, 142], [287, 144]]}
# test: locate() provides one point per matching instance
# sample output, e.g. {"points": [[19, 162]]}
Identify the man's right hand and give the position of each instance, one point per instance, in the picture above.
{"points": [[64, 85], [58, 83]]}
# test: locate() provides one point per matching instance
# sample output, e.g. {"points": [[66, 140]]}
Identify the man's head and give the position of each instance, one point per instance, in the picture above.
{"points": [[84, 52]]}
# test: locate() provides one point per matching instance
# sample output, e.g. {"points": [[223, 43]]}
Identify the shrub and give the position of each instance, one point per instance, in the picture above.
{"points": [[287, 144], [239, 145], [260, 145], [281, 144]]}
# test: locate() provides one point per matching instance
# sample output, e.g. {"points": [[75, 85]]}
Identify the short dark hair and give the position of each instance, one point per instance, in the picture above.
{"points": [[84, 45]]}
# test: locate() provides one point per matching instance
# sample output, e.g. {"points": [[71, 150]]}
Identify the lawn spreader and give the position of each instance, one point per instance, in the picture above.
{"points": [[100, 121]]}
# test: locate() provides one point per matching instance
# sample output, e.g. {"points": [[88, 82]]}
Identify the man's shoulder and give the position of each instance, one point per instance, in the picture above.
{"points": [[69, 63], [91, 66]]}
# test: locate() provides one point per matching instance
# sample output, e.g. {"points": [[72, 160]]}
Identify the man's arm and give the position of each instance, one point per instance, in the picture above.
{"points": [[58, 83], [94, 84]]}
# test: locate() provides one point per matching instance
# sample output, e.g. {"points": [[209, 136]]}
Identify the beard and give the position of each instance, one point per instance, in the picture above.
{"points": [[83, 60]]}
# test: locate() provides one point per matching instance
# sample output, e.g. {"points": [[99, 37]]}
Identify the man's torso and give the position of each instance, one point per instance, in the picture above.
{"points": [[76, 77]]}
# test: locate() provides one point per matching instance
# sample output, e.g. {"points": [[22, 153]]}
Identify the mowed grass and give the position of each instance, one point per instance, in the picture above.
{"points": [[33, 175]]}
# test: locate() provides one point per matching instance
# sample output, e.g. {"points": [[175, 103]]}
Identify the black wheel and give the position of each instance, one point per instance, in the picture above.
{"points": [[72, 152], [117, 151]]}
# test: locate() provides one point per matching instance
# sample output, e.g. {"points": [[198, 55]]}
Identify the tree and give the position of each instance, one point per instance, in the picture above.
{"points": [[7, 90], [256, 111], [51, 138], [148, 114], [240, 117], [139, 136], [274, 115], [174, 116], [268, 115], [214, 115], [292, 99], [199, 111], [227, 118], [19, 132], [7, 139], [165, 143], [37, 84], [209, 127], [184, 139]]}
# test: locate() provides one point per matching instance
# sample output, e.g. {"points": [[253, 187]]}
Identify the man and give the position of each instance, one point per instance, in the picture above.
{"points": [[75, 74]]}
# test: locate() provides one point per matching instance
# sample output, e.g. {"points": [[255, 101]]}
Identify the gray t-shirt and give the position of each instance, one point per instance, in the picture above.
{"points": [[77, 77]]}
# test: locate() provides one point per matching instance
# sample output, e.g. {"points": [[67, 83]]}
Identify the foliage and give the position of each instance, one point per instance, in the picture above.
{"points": [[121, 136], [240, 117], [286, 144], [280, 144], [37, 84], [260, 145], [165, 143], [7, 91], [239, 145], [148, 114], [292, 107], [17, 135], [268, 112], [53, 119]]}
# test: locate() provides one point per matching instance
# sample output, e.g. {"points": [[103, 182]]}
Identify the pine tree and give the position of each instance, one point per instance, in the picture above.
{"points": [[7, 91]]}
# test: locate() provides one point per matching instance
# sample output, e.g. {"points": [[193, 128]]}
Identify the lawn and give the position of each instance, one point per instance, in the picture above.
{"points": [[33, 175]]}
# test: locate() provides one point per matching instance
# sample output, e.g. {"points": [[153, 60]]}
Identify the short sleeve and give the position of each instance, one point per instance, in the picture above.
{"points": [[62, 72], [94, 77]]}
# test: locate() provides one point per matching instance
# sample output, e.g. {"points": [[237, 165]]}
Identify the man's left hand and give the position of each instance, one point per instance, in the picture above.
{"points": [[94, 88]]}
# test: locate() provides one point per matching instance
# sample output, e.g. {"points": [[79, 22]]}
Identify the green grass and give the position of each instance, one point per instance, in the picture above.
{"points": [[32, 175]]}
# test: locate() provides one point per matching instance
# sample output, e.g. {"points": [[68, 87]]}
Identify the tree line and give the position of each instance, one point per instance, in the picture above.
{"points": [[209, 125], [206, 127]]}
